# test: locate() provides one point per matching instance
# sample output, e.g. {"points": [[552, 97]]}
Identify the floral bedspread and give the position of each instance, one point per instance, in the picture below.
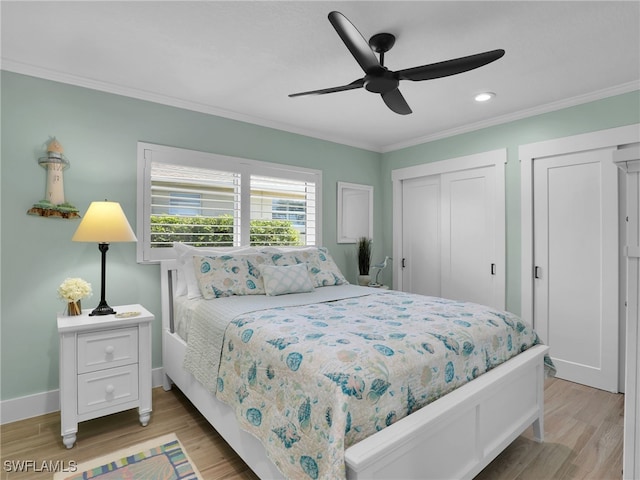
{"points": [[310, 381]]}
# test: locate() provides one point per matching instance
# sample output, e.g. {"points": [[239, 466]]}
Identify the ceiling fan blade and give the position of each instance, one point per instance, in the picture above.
{"points": [[396, 102], [355, 84], [355, 42], [449, 67]]}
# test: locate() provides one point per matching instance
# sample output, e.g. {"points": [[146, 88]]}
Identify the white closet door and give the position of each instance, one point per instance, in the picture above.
{"points": [[421, 235], [575, 257], [449, 236], [468, 235]]}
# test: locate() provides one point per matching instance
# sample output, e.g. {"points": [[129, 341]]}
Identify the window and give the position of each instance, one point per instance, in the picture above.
{"points": [[198, 206], [211, 200], [184, 203], [291, 210], [288, 206]]}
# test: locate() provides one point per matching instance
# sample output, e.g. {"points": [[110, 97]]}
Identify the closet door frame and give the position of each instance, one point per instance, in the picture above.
{"points": [[612, 137], [493, 158], [628, 162]]}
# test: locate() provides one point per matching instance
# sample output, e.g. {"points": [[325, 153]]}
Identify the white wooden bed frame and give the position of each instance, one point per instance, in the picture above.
{"points": [[454, 437]]}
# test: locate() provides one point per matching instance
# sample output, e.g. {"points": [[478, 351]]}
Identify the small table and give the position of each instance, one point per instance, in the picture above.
{"points": [[105, 366]]}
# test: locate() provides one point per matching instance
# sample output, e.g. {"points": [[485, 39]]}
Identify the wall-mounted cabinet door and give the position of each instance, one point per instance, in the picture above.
{"points": [[575, 264]]}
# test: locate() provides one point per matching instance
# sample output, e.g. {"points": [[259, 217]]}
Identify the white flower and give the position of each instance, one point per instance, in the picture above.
{"points": [[74, 289]]}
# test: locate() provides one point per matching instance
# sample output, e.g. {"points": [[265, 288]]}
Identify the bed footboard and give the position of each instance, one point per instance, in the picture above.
{"points": [[461, 433]]}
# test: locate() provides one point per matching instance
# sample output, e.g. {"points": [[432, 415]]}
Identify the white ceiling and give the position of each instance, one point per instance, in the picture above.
{"points": [[240, 59]]}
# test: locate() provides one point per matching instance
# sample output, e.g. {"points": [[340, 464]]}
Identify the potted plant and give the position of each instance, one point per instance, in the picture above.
{"points": [[364, 260]]}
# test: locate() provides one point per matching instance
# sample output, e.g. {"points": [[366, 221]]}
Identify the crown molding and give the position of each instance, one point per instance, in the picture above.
{"points": [[61, 77], [530, 112]]}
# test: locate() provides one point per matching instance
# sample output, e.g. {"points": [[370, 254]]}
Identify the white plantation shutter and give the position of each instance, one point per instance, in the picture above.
{"points": [[292, 202], [210, 200], [185, 200]]}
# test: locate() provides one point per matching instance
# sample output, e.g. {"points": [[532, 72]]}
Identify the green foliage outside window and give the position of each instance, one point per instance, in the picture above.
{"points": [[218, 231]]}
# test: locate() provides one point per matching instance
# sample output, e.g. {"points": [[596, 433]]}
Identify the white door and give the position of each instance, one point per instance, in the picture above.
{"points": [[468, 235], [421, 235], [449, 239], [576, 264]]}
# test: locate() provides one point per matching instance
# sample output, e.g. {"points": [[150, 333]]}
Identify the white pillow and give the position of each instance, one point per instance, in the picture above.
{"points": [[187, 281], [286, 279], [229, 274]]}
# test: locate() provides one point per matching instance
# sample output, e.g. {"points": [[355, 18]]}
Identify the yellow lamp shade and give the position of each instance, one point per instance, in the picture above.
{"points": [[104, 222]]}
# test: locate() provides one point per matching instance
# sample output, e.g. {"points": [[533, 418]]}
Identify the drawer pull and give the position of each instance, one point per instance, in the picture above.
{"points": [[110, 389], [109, 350]]}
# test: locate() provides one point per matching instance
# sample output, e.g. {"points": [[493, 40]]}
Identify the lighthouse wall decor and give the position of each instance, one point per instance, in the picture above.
{"points": [[53, 205]]}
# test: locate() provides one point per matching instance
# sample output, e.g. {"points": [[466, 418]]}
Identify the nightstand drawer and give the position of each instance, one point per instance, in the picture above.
{"points": [[106, 388], [107, 349]]}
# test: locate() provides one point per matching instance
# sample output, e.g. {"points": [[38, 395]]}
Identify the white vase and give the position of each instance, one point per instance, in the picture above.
{"points": [[364, 280]]}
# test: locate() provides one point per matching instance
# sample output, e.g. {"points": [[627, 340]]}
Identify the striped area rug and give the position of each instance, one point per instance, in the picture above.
{"points": [[162, 458]]}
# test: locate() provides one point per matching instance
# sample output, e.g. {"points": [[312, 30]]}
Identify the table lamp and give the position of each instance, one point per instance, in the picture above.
{"points": [[104, 223]]}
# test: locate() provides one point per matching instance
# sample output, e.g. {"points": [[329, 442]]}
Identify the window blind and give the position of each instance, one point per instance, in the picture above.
{"points": [[196, 206], [287, 206]]}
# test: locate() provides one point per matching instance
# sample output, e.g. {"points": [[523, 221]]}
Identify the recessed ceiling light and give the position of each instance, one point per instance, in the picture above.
{"points": [[484, 96]]}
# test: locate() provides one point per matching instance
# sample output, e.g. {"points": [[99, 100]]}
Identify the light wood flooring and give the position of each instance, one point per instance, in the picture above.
{"points": [[583, 428]]}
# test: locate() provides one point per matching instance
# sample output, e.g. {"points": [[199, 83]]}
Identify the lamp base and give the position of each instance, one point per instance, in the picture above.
{"points": [[102, 309]]}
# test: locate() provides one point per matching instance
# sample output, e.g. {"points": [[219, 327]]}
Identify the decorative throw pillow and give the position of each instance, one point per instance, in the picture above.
{"points": [[187, 281], [281, 257], [322, 268], [286, 279], [226, 275], [325, 270]]}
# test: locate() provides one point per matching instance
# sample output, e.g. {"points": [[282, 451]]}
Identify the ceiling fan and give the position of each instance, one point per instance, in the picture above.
{"points": [[379, 79]]}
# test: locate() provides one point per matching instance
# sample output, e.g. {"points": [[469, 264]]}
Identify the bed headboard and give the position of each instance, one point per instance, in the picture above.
{"points": [[171, 268], [168, 282]]}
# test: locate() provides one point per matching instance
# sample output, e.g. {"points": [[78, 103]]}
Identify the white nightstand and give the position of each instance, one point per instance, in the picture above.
{"points": [[105, 366]]}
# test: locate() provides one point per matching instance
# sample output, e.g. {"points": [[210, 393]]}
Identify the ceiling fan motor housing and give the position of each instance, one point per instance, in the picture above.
{"points": [[382, 81]]}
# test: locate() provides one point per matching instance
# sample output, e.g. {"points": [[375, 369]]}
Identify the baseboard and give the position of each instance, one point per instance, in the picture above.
{"points": [[30, 406], [37, 404]]}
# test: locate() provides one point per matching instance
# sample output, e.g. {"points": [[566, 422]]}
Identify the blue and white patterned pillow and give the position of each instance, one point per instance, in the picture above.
{"points": [[281, 280], [226, 275], [187, 280], [322, 268]]}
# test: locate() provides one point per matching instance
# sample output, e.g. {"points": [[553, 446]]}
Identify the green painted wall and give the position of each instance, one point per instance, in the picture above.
{"points": [[599, 115], [99, 132]]}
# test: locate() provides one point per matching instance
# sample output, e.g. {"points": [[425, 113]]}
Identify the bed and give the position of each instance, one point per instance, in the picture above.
{"points": [[440, 432]]}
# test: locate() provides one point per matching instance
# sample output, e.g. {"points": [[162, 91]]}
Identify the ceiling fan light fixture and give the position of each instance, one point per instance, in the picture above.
{"points": [[484, 97]]}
